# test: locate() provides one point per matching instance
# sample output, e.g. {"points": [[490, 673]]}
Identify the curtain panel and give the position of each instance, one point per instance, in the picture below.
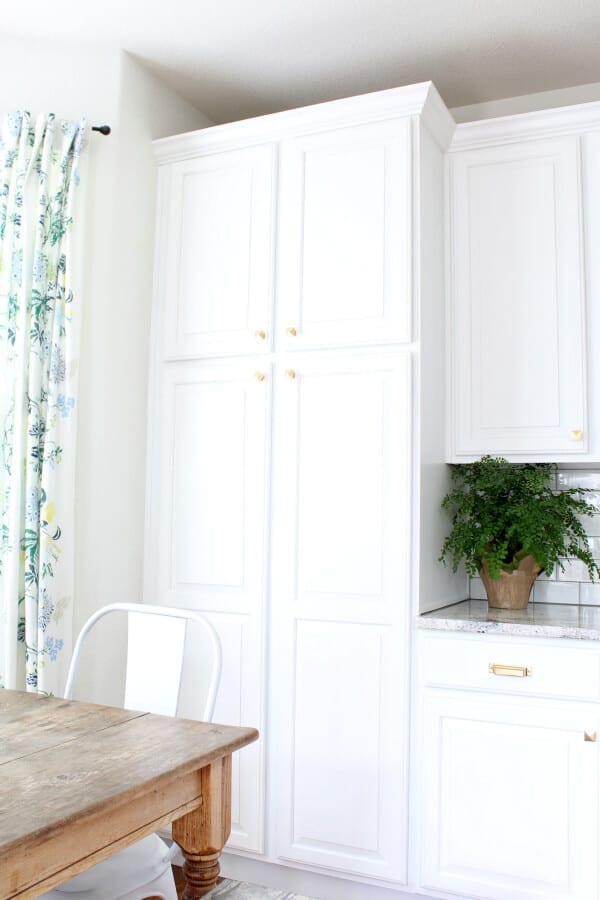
{"points": [[39, 174]]}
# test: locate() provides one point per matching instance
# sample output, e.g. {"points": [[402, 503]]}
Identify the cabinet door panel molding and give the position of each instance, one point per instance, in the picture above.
{"points": [[518, 349]]}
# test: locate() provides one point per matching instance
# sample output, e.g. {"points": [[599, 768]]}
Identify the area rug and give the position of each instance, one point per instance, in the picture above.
{"points": [[241, 890]]}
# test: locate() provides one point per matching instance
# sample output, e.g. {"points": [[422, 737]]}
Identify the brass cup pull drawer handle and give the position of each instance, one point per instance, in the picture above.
{"points": [[589, 736], [516, 671]]}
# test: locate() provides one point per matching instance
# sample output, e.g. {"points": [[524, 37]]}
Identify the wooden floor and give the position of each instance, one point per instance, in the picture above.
{"points": [[236, 890]]}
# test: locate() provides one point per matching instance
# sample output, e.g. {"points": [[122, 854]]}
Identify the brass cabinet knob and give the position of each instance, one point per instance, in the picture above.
{"points": [[260, 334], [260, 376], [291, 331], [289, 373], [576, 435]]}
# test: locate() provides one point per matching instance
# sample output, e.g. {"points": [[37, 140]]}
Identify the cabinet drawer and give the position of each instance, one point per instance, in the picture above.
{"points": [[512, 666]]}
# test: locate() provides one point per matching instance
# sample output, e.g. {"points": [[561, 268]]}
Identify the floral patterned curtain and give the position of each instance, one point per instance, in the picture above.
{"points": [[38, 346]]}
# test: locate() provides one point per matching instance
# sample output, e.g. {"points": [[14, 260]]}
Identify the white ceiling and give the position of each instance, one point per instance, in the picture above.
{"points": [[238, 58]]}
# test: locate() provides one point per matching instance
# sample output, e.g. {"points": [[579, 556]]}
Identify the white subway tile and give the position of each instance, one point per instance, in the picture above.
{"points": [[589, 594], [575, 570], [551, 577], [556, 592], [593, 497], [574, 478], [594, 544], [591, 524]]}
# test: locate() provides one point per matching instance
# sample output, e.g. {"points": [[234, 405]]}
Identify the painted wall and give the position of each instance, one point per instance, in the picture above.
{"points": [[108, 87], [583, 93]]}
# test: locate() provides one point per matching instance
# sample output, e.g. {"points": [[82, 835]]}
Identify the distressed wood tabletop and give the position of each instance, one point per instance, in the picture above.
{"points": [[79, 782]]}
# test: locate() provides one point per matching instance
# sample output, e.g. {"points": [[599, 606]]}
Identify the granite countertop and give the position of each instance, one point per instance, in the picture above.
{"points": [[552, 620]]}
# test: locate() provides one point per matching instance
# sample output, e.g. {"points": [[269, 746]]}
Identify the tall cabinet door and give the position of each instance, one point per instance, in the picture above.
{"points": [[510, 799], [339, 654], [344, 247], [206, 539], [517, 302], [214, 280]]}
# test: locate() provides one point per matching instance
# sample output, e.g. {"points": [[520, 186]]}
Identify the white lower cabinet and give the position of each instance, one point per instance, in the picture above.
{"points": [[509, 790]]}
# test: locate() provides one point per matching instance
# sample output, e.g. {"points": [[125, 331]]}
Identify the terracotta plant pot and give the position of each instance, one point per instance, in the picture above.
{"points": [[512, 589]]}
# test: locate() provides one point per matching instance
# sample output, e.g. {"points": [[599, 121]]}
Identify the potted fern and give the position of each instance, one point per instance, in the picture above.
{"points": [[508, 525]]}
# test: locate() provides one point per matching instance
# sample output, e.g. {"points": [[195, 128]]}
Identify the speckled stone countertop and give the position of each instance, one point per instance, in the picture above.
{"points": [[552, 620]]}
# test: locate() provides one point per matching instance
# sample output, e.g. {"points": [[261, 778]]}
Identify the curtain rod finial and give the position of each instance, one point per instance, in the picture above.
{"points": [[103, 129]]}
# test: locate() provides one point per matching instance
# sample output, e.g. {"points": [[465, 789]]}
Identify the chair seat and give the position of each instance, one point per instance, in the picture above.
{"points": [[116, 877]]}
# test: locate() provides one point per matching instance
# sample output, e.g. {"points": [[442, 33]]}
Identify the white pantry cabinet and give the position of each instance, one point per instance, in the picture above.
{"points": [[523, 288], [284, 471], [509, 774], [341, 612]]}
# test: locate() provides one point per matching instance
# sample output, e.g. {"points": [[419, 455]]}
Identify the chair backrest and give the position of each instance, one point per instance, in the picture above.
{"points": [[155, 650]]}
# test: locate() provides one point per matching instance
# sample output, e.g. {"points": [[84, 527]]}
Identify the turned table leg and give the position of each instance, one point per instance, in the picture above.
{"points": [[202, 833]]}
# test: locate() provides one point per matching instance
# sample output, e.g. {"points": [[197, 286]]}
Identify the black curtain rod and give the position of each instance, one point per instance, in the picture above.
{"points": [[103, 129]]}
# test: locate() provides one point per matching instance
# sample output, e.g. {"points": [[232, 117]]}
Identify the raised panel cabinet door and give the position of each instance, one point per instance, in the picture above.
{"points": [[206, 545], [591, 220], [215, 253], [344, 237], [340, 611], [510, 798], [518, 354]]}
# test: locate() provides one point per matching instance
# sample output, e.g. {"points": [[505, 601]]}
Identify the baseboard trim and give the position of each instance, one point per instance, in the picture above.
{"points": [[299, 881]]}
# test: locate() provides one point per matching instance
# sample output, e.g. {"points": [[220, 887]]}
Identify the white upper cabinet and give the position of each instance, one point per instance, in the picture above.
{"points": [[344, 250], [216, 262], [295, 231], [518, 373], [590, 146]]}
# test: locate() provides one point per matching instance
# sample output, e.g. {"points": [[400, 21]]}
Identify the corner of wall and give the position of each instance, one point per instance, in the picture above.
{"points": [[438, 586], [115, 335], [154, 106]]}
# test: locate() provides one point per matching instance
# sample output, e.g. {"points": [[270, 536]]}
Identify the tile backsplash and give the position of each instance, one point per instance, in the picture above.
{"points": [[572, 586]]}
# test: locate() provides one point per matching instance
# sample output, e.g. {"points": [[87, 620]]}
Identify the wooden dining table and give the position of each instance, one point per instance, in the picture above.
{"points": [[78, 782]]}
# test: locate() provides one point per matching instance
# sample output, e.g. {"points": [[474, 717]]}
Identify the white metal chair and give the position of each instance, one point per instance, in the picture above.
{"points": [[155, 651]]}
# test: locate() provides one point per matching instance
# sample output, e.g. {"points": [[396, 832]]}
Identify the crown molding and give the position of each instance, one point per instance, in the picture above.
{"points": [[565, 120], [437, 118], [412, 100]]}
